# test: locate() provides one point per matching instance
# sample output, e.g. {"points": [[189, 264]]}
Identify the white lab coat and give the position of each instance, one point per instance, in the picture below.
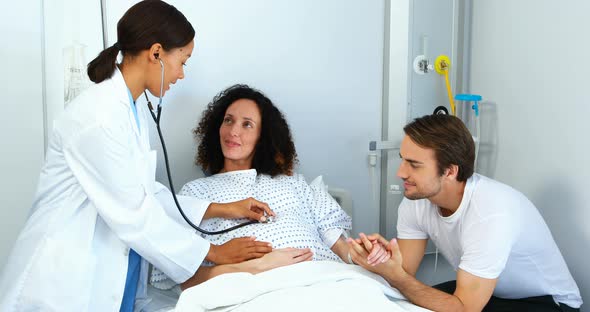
{"points": [[96, 198]]}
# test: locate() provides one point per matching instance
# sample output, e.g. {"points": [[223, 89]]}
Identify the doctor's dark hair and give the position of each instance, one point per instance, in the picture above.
{"points": [[274, 152], [449, 138], [145, 23]]}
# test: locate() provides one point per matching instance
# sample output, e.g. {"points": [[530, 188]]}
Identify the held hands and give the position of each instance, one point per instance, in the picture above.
{"points": [[246, 208], [238, 250], [375, 253]]}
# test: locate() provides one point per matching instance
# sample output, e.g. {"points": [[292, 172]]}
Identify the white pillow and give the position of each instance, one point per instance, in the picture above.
{"points": [[318, 183]]}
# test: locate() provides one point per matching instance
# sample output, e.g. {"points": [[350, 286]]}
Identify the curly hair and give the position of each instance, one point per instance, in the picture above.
{"points": [[274, 153]]}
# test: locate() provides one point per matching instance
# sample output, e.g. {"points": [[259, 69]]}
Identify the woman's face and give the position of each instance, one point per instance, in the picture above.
{"points": [[174, 61], [239, 133]]}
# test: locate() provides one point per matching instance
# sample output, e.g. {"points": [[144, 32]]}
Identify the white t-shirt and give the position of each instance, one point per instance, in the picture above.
{"points": [[495, 233]]}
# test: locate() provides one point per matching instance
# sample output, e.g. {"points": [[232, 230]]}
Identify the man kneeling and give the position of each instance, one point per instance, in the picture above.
{"points": [[493, 236]]}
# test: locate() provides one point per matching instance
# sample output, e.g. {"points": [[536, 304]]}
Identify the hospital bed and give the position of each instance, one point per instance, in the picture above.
{"points": [[307, 286]]}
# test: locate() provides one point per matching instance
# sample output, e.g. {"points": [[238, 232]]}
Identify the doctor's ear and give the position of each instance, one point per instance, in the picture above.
{"points": [[155, 50]]}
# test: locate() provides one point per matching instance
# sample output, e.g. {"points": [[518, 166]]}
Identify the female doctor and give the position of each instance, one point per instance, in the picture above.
{"points": [[98, 210]]}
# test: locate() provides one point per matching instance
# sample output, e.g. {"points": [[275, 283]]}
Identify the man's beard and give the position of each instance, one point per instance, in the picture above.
{"points": [[420, 195]]}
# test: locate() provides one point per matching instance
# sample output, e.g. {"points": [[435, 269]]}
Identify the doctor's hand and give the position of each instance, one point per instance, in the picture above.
{"points": [[238, 250], [246, 208]]}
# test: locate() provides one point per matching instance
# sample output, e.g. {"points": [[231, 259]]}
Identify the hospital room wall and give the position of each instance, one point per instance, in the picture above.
{"points": [[33, 89], [21, 120], [529, 61]]}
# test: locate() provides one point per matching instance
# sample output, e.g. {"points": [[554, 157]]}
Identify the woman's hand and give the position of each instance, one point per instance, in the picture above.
{"points": [[238, 250], [275, 259], [282, 257], [246, 208]]}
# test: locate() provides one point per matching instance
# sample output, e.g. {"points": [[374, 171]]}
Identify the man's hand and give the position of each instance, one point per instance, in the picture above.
{"points": [[472, 292], [238, 250], [246, 208], [377, 246], [376, 255], [365, 253]]}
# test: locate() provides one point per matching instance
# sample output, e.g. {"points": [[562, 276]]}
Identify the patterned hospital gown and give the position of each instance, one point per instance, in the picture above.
{"points": [[306, 216]]}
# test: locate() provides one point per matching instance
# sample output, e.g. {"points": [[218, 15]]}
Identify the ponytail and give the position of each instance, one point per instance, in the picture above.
{"points": [[103, 66]]}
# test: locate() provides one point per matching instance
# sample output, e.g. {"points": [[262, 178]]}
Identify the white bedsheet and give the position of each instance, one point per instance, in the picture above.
{"points": [[308, 286]]}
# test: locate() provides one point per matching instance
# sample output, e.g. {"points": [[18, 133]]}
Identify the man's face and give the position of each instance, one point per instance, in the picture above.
{"points": [[419, 171]]}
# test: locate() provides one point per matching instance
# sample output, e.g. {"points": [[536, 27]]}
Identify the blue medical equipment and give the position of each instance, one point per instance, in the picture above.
{"points": [[470, 98], [475, 98]]}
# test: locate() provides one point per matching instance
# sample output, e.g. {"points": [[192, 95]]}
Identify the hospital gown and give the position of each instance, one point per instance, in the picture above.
{"points": [[306, 216]]}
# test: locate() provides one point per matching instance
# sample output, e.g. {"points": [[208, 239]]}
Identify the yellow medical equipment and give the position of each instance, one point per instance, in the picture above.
{"points": [[442, 65]]}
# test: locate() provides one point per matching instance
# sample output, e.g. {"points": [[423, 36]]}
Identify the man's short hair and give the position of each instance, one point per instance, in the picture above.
{"points": [[449, 138]]}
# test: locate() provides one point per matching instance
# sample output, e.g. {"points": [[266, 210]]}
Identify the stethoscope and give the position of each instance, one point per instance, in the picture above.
{"points": [[156, 118]]}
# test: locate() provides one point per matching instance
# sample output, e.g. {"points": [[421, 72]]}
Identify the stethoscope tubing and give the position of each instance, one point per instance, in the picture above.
{"points": [[156, 117]]}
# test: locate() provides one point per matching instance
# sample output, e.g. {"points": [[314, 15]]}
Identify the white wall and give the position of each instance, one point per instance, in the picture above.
{"points": [[67, 22], [530, 63], [21, 117], [321, 62]]}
